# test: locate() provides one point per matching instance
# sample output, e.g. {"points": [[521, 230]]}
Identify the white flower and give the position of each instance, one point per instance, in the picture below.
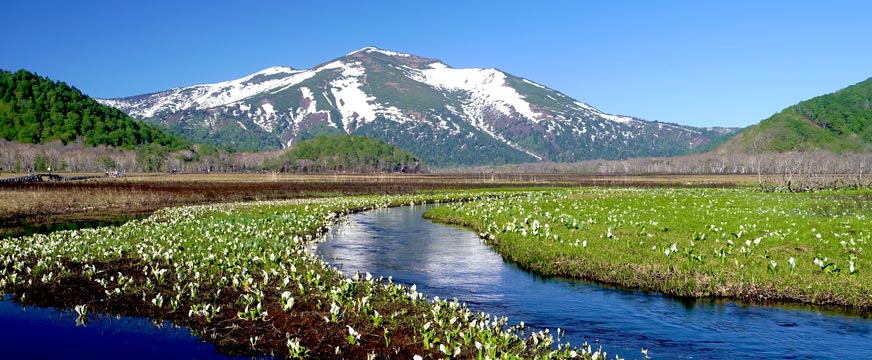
{"points": [[334, 309], [353, 332], [792, 262]]}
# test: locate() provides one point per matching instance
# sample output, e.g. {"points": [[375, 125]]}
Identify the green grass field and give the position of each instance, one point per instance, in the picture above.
{"points": [[736, 243]]}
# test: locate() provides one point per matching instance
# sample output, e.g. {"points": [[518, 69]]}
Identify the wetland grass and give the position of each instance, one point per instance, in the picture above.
{"points": [[239, 275], [698, 243]]}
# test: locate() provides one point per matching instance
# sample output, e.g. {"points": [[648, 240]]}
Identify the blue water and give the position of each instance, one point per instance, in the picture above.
{"points": [[48, 333], [450, 262]]}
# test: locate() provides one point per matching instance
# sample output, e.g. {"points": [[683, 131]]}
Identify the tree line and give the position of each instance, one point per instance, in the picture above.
{"points": [[788, 171], [775, 171], [323, 154]]}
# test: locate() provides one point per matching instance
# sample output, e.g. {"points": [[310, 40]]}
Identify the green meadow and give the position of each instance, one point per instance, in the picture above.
{"points": [[713, 243]]}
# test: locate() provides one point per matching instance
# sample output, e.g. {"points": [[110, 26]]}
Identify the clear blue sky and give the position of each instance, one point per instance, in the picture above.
{"points": [[704, 63]]}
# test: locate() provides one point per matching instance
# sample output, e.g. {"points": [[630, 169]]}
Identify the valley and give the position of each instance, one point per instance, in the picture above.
{"points": [[571, 181]]}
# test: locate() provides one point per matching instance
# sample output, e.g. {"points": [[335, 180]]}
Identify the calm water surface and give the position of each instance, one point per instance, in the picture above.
{"points": [[48, 333], [450, 262]]}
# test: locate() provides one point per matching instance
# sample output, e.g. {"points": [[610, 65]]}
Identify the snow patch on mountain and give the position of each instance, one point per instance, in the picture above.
{"points": [[586, 106], [268, 109], [617, 118], [353, 103], [486, 87], [676, 127], [536, 85], [626, 120], [265, 117], [371, 49], [207, 96], [309, 96], [395, 114]]}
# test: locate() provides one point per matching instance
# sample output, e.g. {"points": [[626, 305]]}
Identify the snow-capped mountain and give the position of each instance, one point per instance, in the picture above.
{"points": [[444, 115]]}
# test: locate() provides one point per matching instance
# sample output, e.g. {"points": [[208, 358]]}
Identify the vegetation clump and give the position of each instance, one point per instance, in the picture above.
{"points": [[346, 153]]}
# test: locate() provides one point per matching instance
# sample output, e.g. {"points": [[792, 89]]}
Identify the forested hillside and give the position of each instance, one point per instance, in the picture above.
{"points": [[346, 153], [36, 110], [839, 122]]}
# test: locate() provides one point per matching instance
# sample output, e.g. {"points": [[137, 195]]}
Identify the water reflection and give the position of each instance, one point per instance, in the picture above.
{"points": [[451, 262]]}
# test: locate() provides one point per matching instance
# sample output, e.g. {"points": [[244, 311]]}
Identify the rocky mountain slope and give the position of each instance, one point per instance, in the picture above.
{"points": [[446, 116]]}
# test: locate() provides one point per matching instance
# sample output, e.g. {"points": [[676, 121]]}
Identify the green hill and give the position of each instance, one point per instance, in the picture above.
{"points": [[838, 122], [346, 153], [36, 110]]}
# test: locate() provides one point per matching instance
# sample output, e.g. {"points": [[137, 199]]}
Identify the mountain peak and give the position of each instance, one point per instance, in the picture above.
{"points": [[373, 49], [275, 70]]}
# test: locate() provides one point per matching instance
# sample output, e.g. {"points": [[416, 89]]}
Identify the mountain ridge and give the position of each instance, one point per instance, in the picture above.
{"points": [[448, 116]]}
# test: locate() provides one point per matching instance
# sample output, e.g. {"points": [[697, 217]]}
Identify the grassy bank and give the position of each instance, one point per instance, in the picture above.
{"points": [[738, 243], [240, 276]]}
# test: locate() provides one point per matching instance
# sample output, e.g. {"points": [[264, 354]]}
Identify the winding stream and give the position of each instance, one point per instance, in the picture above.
{"points": [[451, 262]]}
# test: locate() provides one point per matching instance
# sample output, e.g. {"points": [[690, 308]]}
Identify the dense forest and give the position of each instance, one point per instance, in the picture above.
{"points": [[344, 153], [36, 110]]}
